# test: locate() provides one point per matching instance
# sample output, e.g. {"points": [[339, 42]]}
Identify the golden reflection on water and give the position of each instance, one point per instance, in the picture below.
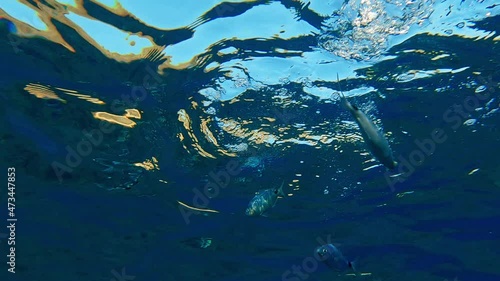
{"points": [[86, 97], [116, 119], [268, 132], [42, 92], [49, 92], [45, 14], [184, 118], [149, 164], [132, 113]]}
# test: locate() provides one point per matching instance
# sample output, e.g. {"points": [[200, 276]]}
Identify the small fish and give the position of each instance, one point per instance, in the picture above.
{"points": [[377, 143], [333, 258], [265, 200]]}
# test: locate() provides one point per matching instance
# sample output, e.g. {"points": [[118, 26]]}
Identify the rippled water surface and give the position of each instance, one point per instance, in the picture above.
{"points": [[140, 130]]}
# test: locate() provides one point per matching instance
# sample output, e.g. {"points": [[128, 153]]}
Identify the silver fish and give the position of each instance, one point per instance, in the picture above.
{"points": [[265, 200], [333, 258], [377, 143]]}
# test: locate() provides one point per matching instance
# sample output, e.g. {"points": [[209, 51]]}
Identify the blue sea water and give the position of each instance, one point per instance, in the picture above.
{"points": [[140, 130]]}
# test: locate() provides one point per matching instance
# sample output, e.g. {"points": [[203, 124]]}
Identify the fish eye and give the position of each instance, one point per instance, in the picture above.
{"points": [[323, 251], [275, 192]]}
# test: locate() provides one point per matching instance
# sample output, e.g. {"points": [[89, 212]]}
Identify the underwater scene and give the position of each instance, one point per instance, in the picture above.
{"points": [[250, 140]]}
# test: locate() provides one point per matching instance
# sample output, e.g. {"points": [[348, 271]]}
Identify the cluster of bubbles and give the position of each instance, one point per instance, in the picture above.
{"points": [[360, 29]]}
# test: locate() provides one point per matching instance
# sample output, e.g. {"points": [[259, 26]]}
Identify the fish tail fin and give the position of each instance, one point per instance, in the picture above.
{"points": [[343, 99], [339, 93], [280, 190]]}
